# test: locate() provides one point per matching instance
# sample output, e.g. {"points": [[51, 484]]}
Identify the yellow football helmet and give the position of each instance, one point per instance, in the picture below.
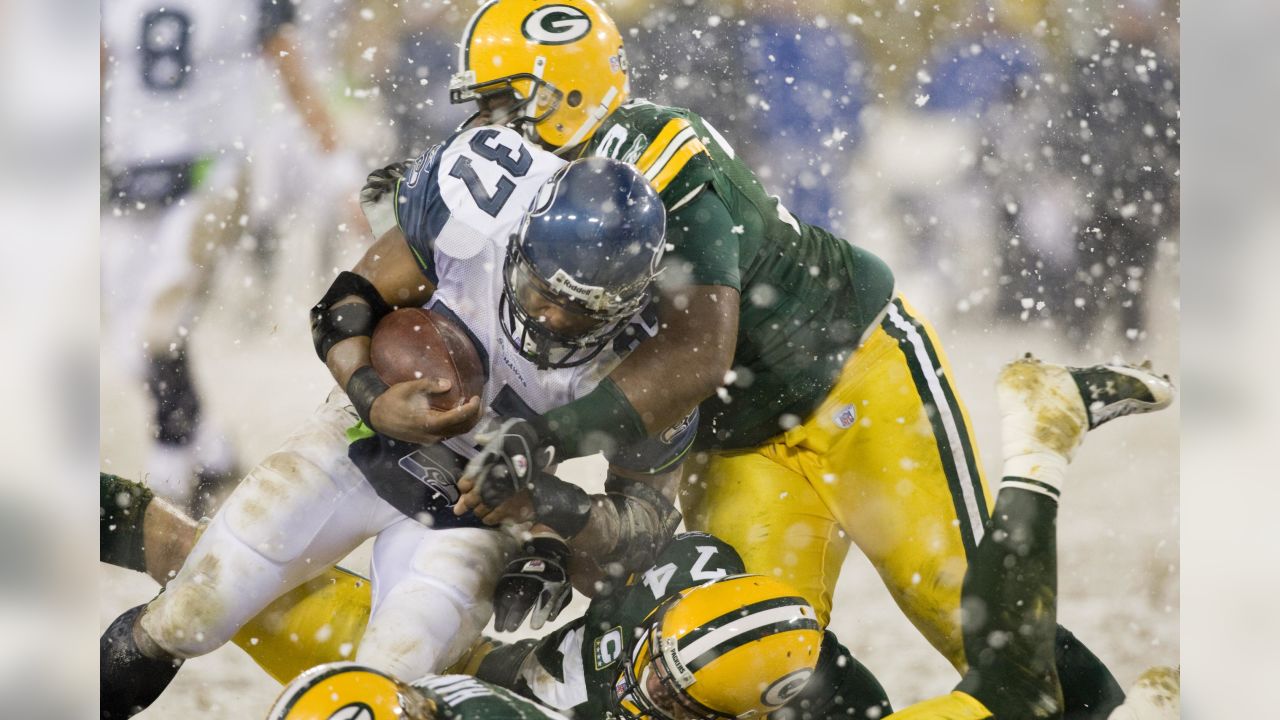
{"points": [[562, 59], [738, 647], [347, 691]]}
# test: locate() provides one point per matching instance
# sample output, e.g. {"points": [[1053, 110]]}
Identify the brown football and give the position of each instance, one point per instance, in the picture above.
{"points": [[417, 343]]}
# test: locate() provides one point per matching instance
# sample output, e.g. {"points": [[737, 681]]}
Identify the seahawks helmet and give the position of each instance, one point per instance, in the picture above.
{"points": [[582, 262], [741, 646]]}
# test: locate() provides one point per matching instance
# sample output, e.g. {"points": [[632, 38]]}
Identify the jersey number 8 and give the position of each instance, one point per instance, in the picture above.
{"points": [[166, 54]]}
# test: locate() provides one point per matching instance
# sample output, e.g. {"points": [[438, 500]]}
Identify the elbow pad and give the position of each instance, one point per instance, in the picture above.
{"points": [[331, 325], [646, 521]]}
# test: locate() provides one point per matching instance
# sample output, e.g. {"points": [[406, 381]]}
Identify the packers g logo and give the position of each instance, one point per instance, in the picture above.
{"points": [[555, 24], [785, 688], [354, 711]]}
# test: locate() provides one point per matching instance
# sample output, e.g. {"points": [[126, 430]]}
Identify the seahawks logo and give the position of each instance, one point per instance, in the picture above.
{"points": [[785, 688], [556, 24]]}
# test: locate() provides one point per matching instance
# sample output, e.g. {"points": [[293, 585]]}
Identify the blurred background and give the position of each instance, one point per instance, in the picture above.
{"points": [[1017, 162]]}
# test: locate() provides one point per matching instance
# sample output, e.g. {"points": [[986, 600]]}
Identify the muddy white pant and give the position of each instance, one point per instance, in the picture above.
{"points": [[301, 510]]}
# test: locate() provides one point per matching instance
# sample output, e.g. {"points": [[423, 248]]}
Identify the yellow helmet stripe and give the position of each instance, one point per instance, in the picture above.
{"points": [[677, 163]]}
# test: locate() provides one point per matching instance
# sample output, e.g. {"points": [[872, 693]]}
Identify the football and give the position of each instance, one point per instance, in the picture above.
{"points": [[416, 343]]}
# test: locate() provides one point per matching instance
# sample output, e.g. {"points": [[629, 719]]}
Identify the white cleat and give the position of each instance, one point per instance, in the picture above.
{"points": [[1155, 696]]}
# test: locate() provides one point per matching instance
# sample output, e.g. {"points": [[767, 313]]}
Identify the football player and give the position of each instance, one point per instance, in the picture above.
{"points": [[180, 78], [693, 638], [342, 479], [828, 413]]}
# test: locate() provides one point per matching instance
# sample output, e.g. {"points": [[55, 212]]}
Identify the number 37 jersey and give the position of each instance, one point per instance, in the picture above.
{"points": [[180, 75], [458, 207]]}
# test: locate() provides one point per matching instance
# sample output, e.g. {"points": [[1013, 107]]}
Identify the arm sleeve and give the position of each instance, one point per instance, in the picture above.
{"points": [[703, 243], [273, 15], [659, 453]]}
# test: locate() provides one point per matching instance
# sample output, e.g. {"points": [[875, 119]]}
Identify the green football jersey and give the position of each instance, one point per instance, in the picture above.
{"points": [[575, 668], [807, 296]]}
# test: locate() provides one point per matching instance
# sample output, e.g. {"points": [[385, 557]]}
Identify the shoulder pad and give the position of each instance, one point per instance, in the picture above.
{"points": [[664, 143]]}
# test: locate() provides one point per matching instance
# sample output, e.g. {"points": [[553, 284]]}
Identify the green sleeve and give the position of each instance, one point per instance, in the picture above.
{"points": [[703, 244], [595, 422]]}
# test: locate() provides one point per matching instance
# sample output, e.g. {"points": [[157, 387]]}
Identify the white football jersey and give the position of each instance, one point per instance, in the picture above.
{"points": [[182, 75], [458, 206]]}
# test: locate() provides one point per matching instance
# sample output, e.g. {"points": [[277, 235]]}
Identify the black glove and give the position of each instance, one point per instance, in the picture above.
{"points": [[535, 580], [383, 181], [511, 461]]}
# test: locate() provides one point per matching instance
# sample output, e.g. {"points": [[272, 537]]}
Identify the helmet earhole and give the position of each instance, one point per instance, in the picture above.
{"points": [[575, 98]]}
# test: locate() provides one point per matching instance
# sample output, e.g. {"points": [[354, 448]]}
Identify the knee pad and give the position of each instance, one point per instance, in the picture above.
{"points": [[466, 560], [177, 407], [281, 505]]}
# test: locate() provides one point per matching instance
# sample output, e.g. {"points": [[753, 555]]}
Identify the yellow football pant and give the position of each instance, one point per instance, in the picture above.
{"points": [[320, 621], [886, 461], [955, 706]]}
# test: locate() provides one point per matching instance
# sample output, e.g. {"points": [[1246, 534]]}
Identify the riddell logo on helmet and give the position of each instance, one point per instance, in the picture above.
{"points": [[556, 24]]}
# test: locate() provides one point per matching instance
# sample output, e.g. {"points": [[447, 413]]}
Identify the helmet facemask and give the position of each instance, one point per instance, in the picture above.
{"points": [[648, 688], [521, 100], [592, 316]]}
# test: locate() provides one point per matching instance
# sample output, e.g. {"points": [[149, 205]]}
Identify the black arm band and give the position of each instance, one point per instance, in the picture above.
{"points": [[363, 388], [562, 506], [331, 325], [646, 521]]}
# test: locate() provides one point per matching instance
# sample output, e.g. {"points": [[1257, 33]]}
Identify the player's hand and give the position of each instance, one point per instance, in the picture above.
{"points": [[382, 181], [534, 581], [404, 412], [509, 464]]}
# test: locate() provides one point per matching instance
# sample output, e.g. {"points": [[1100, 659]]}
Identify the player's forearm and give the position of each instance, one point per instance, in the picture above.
{"points": [[284, 51], [389, 268], [631, 521], [671, 373]]}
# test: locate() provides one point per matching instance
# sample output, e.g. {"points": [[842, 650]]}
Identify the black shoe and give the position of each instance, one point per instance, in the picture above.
{"points": [[130, 680]]}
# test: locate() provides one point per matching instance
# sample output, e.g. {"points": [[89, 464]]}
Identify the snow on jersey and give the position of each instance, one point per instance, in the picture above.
{"points": [[180, 75]]}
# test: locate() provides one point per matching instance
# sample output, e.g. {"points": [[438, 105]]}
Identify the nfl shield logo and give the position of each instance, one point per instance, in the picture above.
{"points": [[845, 416]]}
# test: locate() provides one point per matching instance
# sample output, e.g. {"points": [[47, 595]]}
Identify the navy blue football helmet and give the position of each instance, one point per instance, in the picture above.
{"points": [[582, 263]]}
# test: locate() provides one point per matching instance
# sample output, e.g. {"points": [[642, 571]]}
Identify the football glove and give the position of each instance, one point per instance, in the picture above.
{"points": [[535, 581], [510, 462], [382, 181]]}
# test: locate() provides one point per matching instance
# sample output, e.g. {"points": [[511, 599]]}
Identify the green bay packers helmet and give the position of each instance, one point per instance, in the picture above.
{"points": [[738, 647], [347, 691], [562, 60]]}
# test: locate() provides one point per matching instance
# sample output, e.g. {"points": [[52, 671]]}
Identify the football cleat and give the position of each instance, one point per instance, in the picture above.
{"points": [[1111, 391]]}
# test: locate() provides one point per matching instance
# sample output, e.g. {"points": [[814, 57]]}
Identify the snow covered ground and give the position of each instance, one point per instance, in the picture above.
{"points": [[1119, 526]]}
